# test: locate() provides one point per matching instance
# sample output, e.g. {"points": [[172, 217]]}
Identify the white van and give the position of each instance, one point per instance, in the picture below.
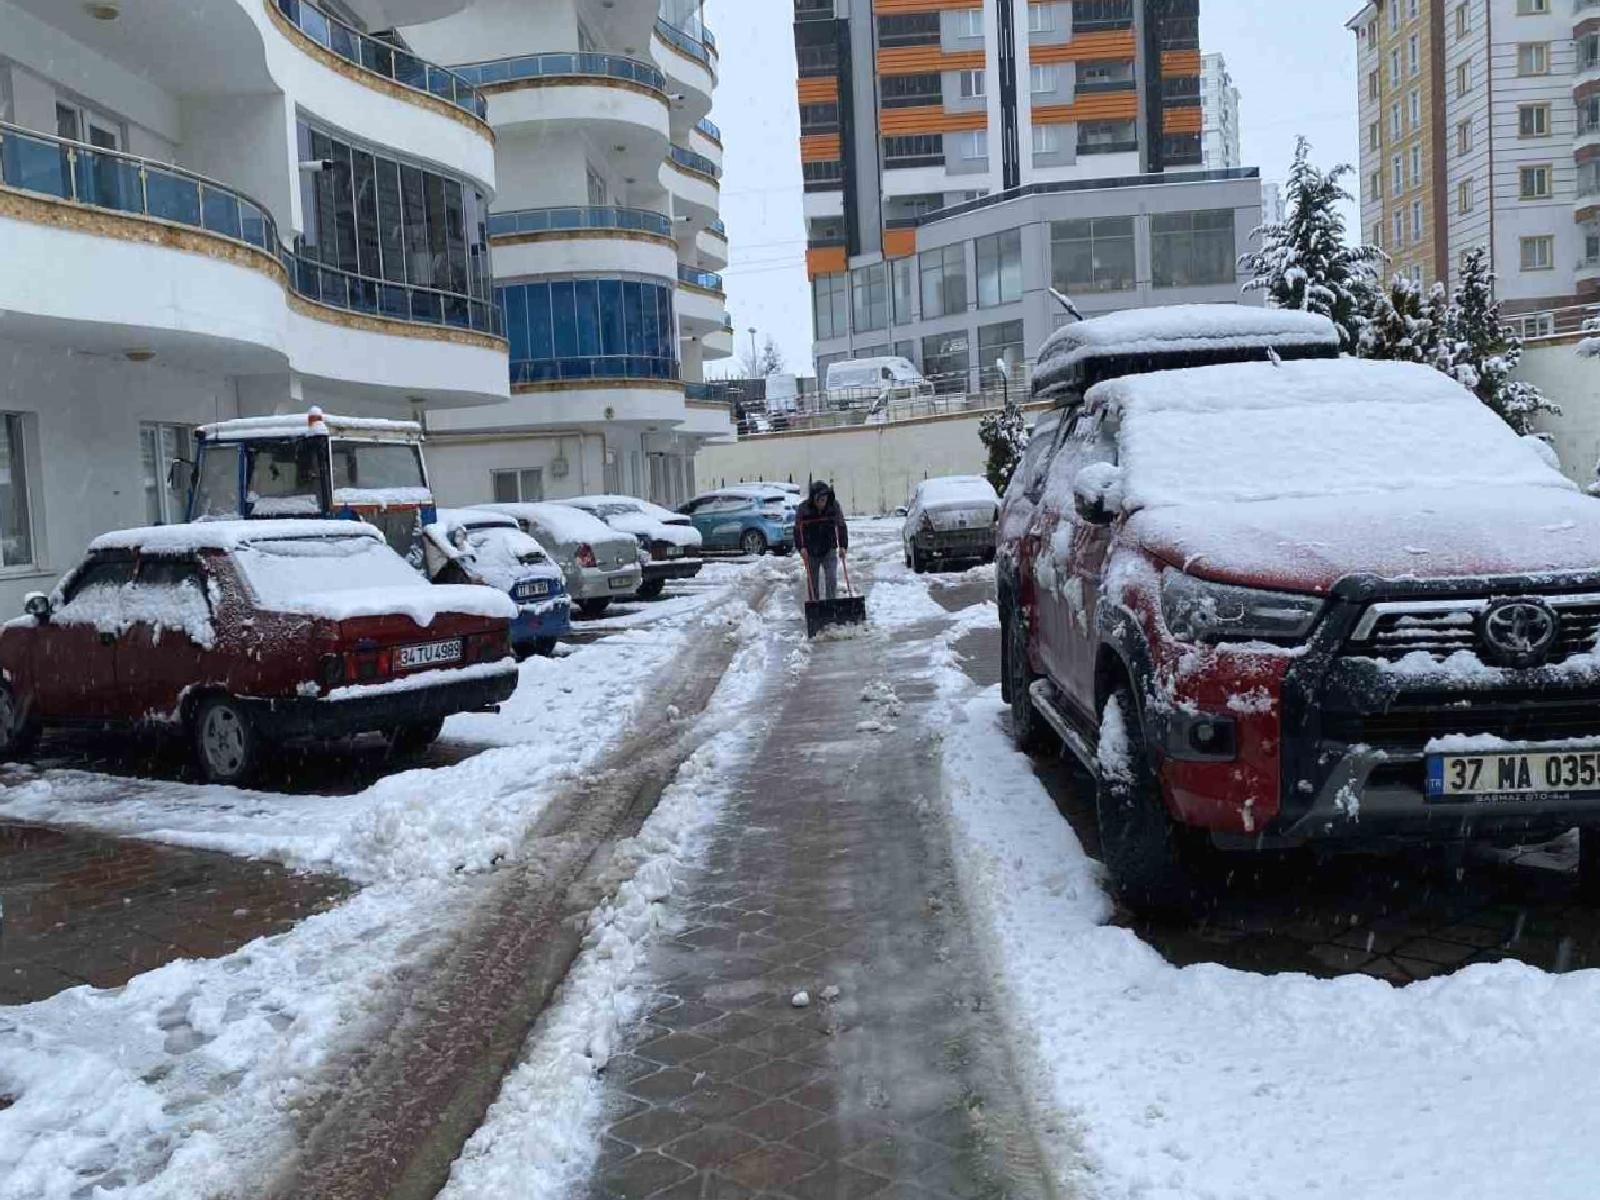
{"points": [[874, 382]]}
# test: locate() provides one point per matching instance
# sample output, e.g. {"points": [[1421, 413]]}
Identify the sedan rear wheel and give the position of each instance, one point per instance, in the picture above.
{"points": [[593, 608], [17, 733], [753, 543], [651, 588], [226, 744], [408, 740]]}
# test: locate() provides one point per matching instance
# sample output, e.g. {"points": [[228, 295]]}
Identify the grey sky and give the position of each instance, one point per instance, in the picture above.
{"points": [[1293, 61]]}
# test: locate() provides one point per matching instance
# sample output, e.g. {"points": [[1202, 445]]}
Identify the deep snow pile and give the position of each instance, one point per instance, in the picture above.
{"points": [[188, 1081]]}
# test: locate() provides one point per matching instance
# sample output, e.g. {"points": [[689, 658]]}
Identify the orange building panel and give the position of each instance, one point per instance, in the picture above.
{"points": [[929, 118], [1178, 63], [1182, 120], [1089, 47], [826, 260], [899, 243], [822, 90], [820, 147], [926, 60], [1103, 106]]}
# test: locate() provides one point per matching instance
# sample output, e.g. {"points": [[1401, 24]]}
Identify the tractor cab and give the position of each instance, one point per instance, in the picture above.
{"points": [[315, 466]]}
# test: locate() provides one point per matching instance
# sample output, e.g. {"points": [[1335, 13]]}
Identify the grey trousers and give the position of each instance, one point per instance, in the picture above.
{"points": [[826, 565]]}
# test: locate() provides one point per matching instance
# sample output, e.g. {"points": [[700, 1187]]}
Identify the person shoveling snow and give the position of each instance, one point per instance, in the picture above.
{"points": [[823, 539]]}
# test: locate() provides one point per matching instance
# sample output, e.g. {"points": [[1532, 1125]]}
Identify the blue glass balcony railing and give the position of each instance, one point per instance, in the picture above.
{"points": [[688, 43], [691, 161], [718, 228], [552, 66], [706, 126], [382, 58], [545, 220], [708, 280], [708, 39], [116, 182], [606, 366], [705, 391]]}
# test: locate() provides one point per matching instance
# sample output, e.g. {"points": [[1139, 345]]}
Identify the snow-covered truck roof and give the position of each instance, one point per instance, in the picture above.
{"points": [[1150, 339], [313, 423]]}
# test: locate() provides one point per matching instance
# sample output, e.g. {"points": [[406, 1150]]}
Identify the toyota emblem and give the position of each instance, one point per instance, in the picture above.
{"points": [[1519, 633]]}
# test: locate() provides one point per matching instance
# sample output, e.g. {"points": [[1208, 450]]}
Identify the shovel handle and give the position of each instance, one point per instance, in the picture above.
{"points": [[844, 562]]}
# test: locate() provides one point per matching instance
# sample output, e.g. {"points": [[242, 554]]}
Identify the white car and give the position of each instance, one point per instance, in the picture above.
{"points": [[950, 518], [600, 563], [669, 542]]}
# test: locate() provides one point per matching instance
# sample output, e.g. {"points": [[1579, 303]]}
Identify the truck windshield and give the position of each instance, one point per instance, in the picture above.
{"points": [[285, 478], [216, 487], [377, 467]]}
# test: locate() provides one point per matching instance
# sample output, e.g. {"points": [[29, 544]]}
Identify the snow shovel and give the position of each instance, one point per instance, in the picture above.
{"points": [[848, 609]]}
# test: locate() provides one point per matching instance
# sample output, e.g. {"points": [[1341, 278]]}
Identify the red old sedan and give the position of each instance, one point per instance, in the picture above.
{"points": [[242, 634]]}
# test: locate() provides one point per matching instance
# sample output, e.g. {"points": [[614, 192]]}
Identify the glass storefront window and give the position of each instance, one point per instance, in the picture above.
{"points": [[831, 304], [903, 288], [944, 282], [1192, 249], [1000, 342], [869, 288], [945, 361], [999, 268], [1092, 255]]}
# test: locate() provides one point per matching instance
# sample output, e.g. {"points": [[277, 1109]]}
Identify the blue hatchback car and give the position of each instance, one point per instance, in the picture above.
{"points": [[748, 520], [473, 546]]}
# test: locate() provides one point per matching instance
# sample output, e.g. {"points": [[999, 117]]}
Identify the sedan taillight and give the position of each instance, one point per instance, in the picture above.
{"points": [[586, 556]]}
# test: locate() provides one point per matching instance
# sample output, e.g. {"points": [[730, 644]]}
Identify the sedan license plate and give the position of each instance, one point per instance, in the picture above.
{"points": [[620, 583], [536, 589], [1530, 775], [430, 655]]}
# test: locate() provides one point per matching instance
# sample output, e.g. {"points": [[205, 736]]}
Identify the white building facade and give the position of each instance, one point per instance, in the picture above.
{"points": [[201, 219], [607, 246], [1219, 105]]}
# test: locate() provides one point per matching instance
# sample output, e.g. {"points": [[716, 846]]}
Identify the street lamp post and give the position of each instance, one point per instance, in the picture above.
{"points": [[755, 359]]}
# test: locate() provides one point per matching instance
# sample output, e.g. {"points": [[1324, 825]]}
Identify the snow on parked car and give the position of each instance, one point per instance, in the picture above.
{"points": [[473, 546], [750, 518], [951, 518], [242, 634], [670, 542], [600, 563], [1284, 645]]}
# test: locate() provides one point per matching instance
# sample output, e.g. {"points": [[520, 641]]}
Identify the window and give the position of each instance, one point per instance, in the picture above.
{"points": [[944, 281], [1534, 182], [159, 447], [971, 22], [999, 258], [945, 361], [999, 342], [1192, 249], [517, 487], [1414, 54], [1396, 126], [1394, 68], [1043, 78], [1532, 8], [1375, 135], [1046, 139], [1399, 229], [1416, 166], [16, 520], [1416, 221], [1377, 234], [906, 29], [1374, 86], [869, 291], [1465, 196], [1411, 9], [1041, 18], [1394, 16], [1414, 107], [591, 328], [1463, 20], [1375, 186], [830, 303], [1533, 58], [1107, 137], [1397, 176], [1538, 253], [912, 150], [975, 145], [1095, 254], [1533, 120], [77, 123], [914, 91], [1463, 138], [1463, 78]]}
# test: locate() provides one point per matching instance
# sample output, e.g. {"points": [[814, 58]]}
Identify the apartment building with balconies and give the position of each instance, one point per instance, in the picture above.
{"points": [[607, 245], [909, 107], [1219, 105], [238, 209]]}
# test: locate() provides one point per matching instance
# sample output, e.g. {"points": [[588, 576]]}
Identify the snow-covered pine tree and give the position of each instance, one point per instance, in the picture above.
{"points": [[1405, 324], [1006, 435], [1482, 354], [1304, 261]]}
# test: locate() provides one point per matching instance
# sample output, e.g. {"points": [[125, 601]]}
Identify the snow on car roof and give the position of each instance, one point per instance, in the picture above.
{"points": [[963, 488], [226, 535], [1322, 427], [591, 501], [472, 518], [313, 423], [1178, 327], [564, 524]]}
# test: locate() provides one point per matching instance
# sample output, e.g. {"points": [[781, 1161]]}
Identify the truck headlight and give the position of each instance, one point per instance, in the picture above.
{"points": [[1197, 611]]}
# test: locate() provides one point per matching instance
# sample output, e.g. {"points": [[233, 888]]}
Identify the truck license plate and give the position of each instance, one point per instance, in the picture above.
{"points": [[1530, 775], [430, 655]]}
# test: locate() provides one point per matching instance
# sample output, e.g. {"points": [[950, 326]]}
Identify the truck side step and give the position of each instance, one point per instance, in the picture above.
{"points": [[1082, 745]]}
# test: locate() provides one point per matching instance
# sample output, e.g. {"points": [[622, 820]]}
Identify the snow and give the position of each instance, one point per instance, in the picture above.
{"points": [[438, 677], [394, 497], [314, 423], [627, 515], [957, 490], [561, 523], [491, 548], [1162, 1083], [227, 535], [338, 578], [115, 608], [1176, 328]]}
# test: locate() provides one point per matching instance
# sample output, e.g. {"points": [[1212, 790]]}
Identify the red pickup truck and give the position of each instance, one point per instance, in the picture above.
{"points": [[245, 633], [1288, 600]]}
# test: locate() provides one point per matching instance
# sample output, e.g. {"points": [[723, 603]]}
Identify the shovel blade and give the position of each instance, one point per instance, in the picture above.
{"points": [[825, 614]]}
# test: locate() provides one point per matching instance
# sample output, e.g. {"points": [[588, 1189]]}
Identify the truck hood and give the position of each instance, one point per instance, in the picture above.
{"points": [[1308, 545]]}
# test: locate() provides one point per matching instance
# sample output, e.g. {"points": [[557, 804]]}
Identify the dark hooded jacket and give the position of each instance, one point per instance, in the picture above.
{"points": [[819, 525]]}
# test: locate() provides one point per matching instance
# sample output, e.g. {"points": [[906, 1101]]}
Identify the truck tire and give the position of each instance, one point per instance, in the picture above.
{"points": [[1148, 855], [18, 732], [1028, 728], [226, 744], [1589, 865]]}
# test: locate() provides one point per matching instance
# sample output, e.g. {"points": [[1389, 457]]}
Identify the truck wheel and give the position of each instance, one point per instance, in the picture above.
{"points": [[753, 543], [1143, 848], [593, 608], [1589, 865], [18, 733], [1028, 728], [545, 647], [226, 744], [410, 740], [651, 588]]}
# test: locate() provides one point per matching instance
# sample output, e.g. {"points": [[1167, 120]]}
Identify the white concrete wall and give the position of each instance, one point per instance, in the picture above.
{"points": [[1573, 383]]}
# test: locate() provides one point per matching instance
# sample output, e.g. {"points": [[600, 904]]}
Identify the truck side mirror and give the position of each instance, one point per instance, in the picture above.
{"points": [[37, 606]]}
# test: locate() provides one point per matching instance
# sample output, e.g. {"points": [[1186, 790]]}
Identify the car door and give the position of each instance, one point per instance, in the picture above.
{"points": [[74, 661], [1056, 600], [169, 640], [720, 521], [1091, 545]]}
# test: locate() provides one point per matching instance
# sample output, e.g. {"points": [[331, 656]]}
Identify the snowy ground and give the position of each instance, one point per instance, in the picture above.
{"points": [[187, 1080]]}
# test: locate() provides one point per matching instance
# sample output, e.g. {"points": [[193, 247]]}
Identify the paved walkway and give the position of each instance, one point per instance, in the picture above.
{"points": [[827, 872]]}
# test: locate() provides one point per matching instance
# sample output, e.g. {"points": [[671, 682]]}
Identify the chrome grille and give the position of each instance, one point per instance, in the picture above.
{"points": [[1440, 628]]}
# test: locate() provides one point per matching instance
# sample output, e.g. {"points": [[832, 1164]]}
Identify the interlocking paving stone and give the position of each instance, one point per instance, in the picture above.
{"points": [[823, 869]]}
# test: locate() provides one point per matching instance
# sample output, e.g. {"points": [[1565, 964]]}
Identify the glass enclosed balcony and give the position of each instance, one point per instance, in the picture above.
{"points": [[691, 161], [597, 217], [708, 281], [573, 330], [549, 66]]}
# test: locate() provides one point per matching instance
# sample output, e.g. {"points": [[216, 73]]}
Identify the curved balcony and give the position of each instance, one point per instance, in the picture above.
{"points": [[707, 143], [711, 243], [150, 220], [695, 181], [702, 303], [689, 65], [719, 342], [553, 241], [382, 59]]}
